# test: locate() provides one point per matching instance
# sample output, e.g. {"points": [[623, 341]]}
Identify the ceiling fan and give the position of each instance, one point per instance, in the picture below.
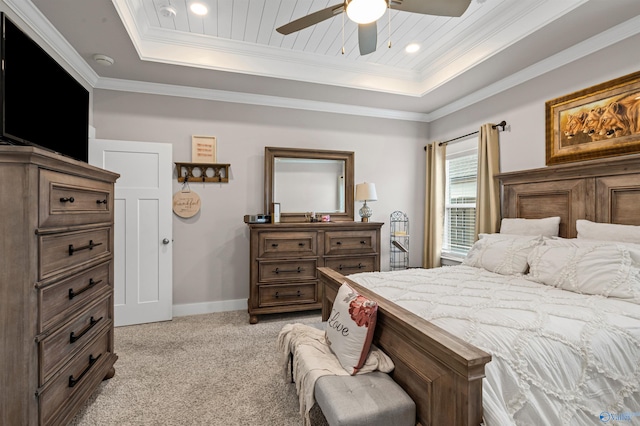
{"points": [[366, 12]]}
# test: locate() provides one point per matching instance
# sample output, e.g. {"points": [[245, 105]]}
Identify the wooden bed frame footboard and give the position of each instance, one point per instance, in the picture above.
{"points": [[442, 373]]}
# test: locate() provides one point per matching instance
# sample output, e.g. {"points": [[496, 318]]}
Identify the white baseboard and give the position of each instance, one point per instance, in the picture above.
{"points": [[209, 307]]}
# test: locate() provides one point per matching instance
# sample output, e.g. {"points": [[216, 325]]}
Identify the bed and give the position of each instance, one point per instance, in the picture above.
{"points": [[443, 367]]}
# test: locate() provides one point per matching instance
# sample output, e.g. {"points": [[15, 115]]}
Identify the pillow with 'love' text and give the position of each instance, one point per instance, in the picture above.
{"points": [[350, 328]]}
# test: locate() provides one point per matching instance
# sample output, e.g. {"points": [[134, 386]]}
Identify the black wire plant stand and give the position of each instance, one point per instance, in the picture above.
{"points": [[399, 241]]}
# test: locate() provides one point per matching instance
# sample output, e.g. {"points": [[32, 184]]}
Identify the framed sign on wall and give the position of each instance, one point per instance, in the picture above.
{"points": [[203, 149]]}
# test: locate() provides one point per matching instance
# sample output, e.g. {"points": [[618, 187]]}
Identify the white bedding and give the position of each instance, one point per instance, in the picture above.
{"points": [[558, 357]]}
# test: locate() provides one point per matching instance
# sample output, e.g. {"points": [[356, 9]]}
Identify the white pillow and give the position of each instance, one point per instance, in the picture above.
{"points": [[547, 227], [607, 231], [606, 269], [584, 242], [350, 328], [502, 254]]}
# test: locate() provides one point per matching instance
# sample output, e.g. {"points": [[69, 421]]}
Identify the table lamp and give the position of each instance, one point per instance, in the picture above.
{"points": [[366, 192]]}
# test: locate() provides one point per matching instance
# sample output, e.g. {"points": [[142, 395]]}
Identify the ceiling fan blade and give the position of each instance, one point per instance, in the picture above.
{"points": [[367, 38], [432, 7], [311, 19]]}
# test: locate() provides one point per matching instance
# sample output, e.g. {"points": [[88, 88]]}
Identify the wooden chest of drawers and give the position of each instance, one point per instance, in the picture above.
{"points": [[284, 258], [56, 285]]}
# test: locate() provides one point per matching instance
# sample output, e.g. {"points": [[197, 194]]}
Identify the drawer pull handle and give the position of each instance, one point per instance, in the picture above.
{"points": [[67, 200], [298, 270], [274, 245], [300, 244], [89, 246], [339, 243], [296, 294], [101, 201], [73, 294], [92, 360], [73, 338], [358, 266], [362, 242]]}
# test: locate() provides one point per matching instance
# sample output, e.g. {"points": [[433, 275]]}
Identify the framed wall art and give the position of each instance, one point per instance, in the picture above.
{"points": [[600, 121], [203, 149]]}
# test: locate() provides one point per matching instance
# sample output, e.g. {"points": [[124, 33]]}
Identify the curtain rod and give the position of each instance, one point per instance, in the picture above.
{"points": [[501, 124]]}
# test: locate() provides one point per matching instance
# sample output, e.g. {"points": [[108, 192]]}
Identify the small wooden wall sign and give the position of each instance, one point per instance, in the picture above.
{"points": [[186, 203]]}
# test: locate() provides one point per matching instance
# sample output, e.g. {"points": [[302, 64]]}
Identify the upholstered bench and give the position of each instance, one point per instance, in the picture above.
{"points": [[371, 399]]}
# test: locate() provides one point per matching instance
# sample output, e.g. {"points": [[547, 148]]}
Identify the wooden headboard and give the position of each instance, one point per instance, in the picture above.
{"points": [[606, 190]]}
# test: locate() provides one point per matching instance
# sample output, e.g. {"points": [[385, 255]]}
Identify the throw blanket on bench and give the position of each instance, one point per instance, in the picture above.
{"points": [[312, 359]]}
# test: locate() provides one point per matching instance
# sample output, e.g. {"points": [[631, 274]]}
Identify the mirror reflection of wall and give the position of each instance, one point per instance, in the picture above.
{"points": [[309, 180], [309, 185]]}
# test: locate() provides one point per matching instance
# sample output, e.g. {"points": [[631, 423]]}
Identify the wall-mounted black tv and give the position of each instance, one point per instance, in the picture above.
{"points": [[41, 103]]}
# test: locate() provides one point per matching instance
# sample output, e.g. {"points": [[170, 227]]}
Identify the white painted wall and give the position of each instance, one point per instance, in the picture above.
{"points": [[211, 250]]}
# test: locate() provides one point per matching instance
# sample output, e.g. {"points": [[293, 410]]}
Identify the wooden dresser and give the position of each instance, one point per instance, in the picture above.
{"points": [[56, 284], [284, 258]]}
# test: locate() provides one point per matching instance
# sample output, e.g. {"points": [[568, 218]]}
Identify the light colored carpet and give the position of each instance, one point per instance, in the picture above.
{"points": [[212, 369]]}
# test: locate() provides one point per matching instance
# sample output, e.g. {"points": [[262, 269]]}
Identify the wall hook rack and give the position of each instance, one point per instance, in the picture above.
{"points": [[203, 172]]}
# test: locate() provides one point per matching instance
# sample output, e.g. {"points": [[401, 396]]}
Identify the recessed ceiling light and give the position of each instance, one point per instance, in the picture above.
{"points": [[412, 48], [199, 8], [103, 59]]}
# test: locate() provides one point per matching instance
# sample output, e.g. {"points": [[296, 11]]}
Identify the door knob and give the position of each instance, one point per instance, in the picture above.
{"points": [[166, 241]]}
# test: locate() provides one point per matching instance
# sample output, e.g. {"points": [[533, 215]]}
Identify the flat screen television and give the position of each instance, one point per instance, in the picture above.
{"points": [[41, 103]]}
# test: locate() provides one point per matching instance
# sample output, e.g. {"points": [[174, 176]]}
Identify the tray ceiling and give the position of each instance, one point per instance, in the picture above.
{"points": [[240, 36], [235, 48]]}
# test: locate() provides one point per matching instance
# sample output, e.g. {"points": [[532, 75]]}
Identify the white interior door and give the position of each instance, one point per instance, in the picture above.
{"points": [[143, 287]]}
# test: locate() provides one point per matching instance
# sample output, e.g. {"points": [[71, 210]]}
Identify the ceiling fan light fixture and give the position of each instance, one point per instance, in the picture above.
{"points": [[366, 11]]}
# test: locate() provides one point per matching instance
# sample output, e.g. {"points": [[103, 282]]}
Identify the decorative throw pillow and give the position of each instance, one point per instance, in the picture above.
{"points": [[606, 269], [502, 254], [547, 227], [607, 231], [350, 328]]}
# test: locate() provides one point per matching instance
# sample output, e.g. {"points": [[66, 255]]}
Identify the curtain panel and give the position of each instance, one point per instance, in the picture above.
{"points": [[434, 204], [488, 196]]}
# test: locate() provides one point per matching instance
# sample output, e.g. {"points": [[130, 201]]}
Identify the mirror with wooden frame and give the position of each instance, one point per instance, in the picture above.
{"points": [[309, 181]]}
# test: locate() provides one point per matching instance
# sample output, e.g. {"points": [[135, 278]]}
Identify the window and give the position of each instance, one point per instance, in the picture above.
{"points": [[460, 202]]}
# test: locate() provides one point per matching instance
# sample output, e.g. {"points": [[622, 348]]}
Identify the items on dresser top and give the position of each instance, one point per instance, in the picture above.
{"points": [[284, 258], [56, 284], [257, 218]]}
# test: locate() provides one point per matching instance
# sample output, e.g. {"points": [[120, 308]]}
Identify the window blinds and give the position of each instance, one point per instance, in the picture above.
{"points": [[460, 203]]}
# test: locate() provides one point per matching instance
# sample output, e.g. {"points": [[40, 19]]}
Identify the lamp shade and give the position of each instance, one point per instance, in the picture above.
{"points": [[366, 192], [365, 11]]}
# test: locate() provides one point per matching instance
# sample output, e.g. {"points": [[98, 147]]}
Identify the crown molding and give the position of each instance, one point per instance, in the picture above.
{"points": [[255, 99], [486, 40], [598, 42], [200, 51]]}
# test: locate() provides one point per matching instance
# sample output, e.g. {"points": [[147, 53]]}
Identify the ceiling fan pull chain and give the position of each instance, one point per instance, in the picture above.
{"points": [[389, 15], [343, 33]]}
